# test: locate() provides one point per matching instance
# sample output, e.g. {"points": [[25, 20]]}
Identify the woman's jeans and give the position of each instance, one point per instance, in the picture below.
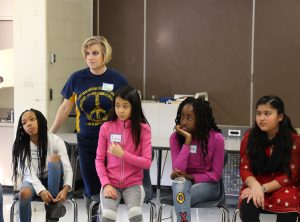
{"points": [[186, 194], [87, 147], [1, 204], [53, 184]]}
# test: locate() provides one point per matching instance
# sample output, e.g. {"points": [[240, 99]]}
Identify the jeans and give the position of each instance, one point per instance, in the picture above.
{"points": [[186, 194], [53, 183], [1, 204], [87, 147]]}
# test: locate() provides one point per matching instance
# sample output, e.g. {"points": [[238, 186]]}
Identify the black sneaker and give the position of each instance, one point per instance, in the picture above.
{"points": [[54, 212]]}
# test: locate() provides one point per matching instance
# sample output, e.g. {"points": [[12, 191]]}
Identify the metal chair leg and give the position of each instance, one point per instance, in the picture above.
{"points": [[152, 210], [225, 214], [159, 216], [12, 211], [234, 215], [91, 210], [75, 209]]}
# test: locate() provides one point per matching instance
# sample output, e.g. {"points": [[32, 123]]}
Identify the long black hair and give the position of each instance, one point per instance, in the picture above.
{"points": [[205, 122], [137, 116], [282, 143], [21, 148]]}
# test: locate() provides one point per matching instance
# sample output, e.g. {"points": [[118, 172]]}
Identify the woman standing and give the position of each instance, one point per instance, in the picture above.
{"points": [[91, 90]]}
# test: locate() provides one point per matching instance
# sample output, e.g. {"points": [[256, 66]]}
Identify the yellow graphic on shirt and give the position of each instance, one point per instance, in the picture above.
{"points": [[89, 104]]}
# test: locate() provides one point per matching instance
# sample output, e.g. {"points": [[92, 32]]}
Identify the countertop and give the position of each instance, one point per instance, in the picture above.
{"points": [[6, 124]]}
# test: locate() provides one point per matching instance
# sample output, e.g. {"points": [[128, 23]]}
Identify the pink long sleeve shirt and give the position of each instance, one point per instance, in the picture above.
{"points": [[128, 170], [189, 160]]}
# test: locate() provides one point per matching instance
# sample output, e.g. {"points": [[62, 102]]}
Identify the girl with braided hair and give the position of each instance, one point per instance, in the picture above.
{"points": [[41, 161], [197, 150]]}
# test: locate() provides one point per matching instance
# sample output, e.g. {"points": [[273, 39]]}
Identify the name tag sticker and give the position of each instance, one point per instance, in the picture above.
{"points": [[193, 148], [117, 138], [107, 86]]}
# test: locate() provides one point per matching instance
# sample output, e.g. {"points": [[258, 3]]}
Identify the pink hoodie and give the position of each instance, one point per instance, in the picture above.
{"points": [[128, 170]]}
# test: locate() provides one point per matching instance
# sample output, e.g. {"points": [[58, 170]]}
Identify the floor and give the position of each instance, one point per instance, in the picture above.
{"points": [[204, 215]]}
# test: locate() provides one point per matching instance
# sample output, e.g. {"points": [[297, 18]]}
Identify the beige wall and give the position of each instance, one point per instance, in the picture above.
{"points": [[42, 27], [6, 9], [6, 32], [68, 25]]}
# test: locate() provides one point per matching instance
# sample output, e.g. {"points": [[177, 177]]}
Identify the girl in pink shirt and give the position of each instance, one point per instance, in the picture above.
{"points": [[124, 151], [197, 150]]}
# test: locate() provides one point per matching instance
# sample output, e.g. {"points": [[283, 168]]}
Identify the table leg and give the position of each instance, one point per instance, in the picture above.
{"points": [[158, 176]]}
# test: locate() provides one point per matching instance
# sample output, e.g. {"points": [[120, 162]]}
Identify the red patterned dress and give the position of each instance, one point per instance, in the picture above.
{"points": [[285, 199]]}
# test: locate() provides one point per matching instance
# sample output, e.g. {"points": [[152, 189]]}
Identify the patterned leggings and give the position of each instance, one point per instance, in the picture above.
{"points": [[133, 198]]}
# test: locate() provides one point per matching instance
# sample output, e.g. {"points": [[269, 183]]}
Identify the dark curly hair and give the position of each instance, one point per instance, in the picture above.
{"points": [[21, 148], [137, 116], [205, 122], [282, 143]]}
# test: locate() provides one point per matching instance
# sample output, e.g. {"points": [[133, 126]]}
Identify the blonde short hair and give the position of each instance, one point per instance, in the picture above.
{"points": [[105, 47]]}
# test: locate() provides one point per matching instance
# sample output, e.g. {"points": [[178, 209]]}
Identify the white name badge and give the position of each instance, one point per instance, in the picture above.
{"points": [[107, 86], [193, 148], [117, 138]]}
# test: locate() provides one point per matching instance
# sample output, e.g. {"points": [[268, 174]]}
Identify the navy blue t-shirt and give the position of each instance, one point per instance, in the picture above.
{"points": [[93, 95]]}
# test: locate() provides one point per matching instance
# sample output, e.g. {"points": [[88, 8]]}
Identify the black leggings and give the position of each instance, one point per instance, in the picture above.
{"points": [[250, 213]]}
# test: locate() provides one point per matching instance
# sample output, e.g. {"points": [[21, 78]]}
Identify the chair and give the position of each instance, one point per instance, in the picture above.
{"points": [[38, 199], [219, 202], [234, 214], [148, 196]]}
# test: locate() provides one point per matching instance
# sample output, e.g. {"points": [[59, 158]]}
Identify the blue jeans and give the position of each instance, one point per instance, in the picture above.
{"points": [[53, 183], [186, 194], [1, 204], [87, 147]]}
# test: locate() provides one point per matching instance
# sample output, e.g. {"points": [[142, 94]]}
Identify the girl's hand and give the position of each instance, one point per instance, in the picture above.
{"points": [[46, 196], [256, 194], [178, 173], [185, 134], [62, 195], [258, 197], [245, 193], [110, 192], [175, 174], [187, 176], [116, 150]]}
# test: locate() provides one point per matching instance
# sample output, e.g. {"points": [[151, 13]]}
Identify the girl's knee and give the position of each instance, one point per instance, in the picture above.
{"points": [[180, 186], [25, 193], [109, 215], [135, 214], [53, 158]]}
